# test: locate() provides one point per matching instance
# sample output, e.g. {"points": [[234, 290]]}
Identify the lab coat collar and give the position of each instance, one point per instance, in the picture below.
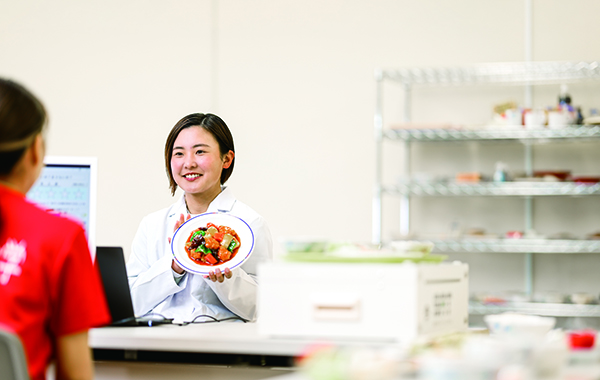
{"points": [[222, 203]]}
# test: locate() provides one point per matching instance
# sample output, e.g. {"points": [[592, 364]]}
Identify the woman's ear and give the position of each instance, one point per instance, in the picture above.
{"points": [[228, 159], [31, 164], [38, 151]]}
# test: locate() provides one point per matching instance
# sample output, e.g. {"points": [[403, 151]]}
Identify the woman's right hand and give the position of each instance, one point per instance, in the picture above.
{"points": [[182, 219]]}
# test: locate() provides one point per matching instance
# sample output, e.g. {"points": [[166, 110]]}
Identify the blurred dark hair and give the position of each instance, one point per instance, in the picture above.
{"points": [[212, 124], [22, 117]]}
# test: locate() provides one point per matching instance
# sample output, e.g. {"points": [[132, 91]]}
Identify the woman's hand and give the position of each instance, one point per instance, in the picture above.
{"points": [[178, 223], [217, 275]]}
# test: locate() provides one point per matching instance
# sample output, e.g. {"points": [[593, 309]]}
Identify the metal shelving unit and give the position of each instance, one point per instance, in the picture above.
{"points": [[525, 74]]}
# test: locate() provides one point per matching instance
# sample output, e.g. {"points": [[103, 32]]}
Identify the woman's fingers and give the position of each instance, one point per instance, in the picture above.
{"points": [[182, 219], [219, 276], [178, 222]]}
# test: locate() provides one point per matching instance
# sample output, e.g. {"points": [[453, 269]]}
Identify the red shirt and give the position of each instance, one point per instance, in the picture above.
{"points": [[48, 284]]}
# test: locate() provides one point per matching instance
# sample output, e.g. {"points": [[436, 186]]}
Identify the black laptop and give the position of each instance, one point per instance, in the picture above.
{"points": [[111, 265]]}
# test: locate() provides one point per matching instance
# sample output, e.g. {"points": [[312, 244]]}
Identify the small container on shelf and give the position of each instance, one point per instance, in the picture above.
{"points": [[586, 179], [535, 119], [553, 175], [514, 235], [468, 177], [583, 298], [582, 339], [501, 172]]}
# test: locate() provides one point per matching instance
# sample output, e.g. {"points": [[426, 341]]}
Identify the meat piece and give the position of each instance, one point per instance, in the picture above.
{"points": [[224, 254]]}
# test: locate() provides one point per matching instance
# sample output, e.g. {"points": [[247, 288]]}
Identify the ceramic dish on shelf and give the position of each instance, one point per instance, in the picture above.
{"points": [[521, 325], [586, 180], [558, 175], [243, 230]]}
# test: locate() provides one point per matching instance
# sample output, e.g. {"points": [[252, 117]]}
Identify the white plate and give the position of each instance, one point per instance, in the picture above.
{"points": [[220, 219]]}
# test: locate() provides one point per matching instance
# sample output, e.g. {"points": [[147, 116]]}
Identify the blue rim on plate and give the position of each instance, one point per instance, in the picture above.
{"points": [[220, 219]]}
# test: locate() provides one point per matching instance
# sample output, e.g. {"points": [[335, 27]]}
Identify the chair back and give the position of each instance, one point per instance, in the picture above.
{"points": [[13, 365]]}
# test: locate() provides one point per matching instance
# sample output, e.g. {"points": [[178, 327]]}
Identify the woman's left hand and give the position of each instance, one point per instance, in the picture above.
{"points": [[219, 276]]}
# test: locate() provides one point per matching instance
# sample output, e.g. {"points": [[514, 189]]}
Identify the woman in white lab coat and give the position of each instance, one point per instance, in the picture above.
{"points": [[199, 158]]}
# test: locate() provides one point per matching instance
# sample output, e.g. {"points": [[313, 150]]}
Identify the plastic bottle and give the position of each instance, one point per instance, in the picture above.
{"points": [[564, 99], [579, 120], [500, 173]]}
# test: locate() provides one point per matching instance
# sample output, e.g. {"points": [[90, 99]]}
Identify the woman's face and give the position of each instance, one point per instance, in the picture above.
{"points": [[196, 162]]}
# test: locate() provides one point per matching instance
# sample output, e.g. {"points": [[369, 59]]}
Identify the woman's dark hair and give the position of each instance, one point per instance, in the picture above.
{"points": [[22, 118], [212, 124]]}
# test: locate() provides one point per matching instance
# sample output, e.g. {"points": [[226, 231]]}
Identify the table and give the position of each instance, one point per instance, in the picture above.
{"points": [[220, 351], [214, 350], [226, 350]]}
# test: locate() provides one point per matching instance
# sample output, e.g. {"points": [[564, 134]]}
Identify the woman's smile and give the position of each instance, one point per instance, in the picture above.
{"points": [[191, 176]]}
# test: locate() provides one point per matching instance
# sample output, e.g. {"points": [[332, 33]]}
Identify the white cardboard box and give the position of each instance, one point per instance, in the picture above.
{"points": [[380, 302]]}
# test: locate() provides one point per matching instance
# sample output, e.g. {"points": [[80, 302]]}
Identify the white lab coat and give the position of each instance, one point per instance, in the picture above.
{"points": [[153, 283]]}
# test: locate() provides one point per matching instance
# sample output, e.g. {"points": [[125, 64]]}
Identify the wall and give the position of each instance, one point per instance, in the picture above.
{"points": [[294, 81]]}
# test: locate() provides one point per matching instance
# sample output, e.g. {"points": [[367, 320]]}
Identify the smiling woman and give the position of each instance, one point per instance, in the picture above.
{"points": [[199, 159]]}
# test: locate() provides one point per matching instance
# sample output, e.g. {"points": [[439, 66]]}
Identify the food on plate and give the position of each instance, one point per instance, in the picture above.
{"points": [[212, 245]]}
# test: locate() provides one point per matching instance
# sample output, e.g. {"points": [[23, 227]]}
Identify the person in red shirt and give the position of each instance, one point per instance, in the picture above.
{"points": [[50, 292]]}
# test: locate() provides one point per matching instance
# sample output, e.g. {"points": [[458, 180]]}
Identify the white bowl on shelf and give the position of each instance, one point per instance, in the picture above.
{"points": [[519, 325]]}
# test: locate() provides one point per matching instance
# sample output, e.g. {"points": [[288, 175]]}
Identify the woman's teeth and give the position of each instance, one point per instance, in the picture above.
{"points": [[191, 176]]}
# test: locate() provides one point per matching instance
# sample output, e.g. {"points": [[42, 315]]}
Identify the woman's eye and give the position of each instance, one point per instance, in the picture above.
{"points": [[177, 154], [200, 152]]}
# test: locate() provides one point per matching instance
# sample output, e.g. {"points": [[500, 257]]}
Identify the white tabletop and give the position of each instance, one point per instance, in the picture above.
{"points": [[220, 338], [225, 338], [235, 338]]}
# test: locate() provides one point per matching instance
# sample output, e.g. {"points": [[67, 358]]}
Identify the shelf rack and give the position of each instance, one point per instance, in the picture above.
{"points": [[523, 245], [504, 189], [517, 73], [524, 74], [536, 308], [570, 132]]}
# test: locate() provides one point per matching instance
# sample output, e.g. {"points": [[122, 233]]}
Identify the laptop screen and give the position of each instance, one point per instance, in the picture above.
{"points": [[111, 264], [67, 186]]}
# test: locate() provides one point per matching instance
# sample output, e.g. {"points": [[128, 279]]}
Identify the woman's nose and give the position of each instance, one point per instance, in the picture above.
{"points": [[189, 162]]}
